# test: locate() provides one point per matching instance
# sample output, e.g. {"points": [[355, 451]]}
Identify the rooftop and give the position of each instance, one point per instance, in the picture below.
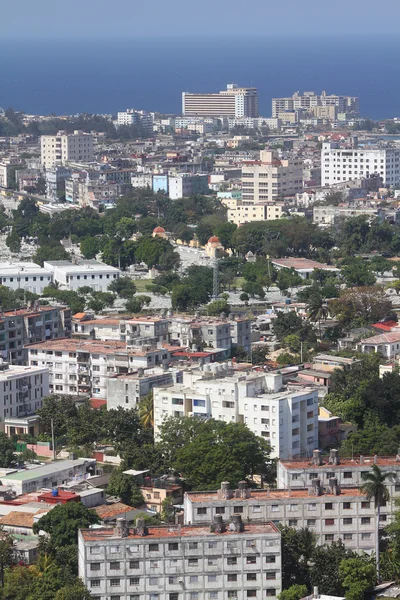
{"points": [[110, 511], [47, 469], [384, 338], [81, 265], [301, 264], [345, 463], [94, 535], [256, 494]]}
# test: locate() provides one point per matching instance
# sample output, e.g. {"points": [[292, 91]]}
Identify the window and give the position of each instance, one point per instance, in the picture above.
{"points": [[365, 520], [153, 547], [232, 577], [212, 578], [329, 537], [194, 595], [348, 536], [193, 546], [232, 560], [311, 506], [271, 592], [347, 521], [251, 577], [115, 566], [153, 580], [365, 536], [201, 511], [238, 509], [134, 564], [271, 558], [328, 506], [292, 522], [115, 582], [173, 546], [329, 522], [252, 593], [348, 475], [134, 580], [346, 505], [232, 594], [311, 522], [193, 579], [192, 562], [95, 567], [365, 504], [174, 596], [220, 510], [270, 575], [256, 508], [213, 595], [95, 583], [251, 560]]}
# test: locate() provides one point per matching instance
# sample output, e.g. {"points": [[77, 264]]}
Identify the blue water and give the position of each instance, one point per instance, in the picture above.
{"points": [[67, 77]]}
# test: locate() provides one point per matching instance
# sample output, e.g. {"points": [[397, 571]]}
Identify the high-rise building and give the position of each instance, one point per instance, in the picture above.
{"points": [[235, 102], [216, 561], [271, 178], [131, 116], [310, 100], [339, 164], [65, 147]]}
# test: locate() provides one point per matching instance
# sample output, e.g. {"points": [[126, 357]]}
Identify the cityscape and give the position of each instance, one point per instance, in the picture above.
{"points": [[199, 330]]}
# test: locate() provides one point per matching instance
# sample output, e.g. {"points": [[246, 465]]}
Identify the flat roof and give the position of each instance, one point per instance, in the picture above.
{"points": [[345, 463], [81, 265], [94, 535], [338, 359], [48, 469], [301, 264], [15, 371], [264, 495]]}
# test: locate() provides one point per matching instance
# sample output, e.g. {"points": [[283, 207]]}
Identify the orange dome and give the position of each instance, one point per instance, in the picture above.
{"points": [[159, 230], [214, 240]]}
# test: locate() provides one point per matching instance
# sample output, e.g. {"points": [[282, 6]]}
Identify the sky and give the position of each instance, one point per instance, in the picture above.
{"points": [[42, 19]]}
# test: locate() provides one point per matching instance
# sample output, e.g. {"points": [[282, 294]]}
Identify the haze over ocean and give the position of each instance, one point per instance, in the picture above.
{"points": [[70, 76]]}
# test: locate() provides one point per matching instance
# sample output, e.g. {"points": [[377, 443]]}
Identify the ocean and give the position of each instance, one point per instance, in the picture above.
{"points": [[104, 76]]}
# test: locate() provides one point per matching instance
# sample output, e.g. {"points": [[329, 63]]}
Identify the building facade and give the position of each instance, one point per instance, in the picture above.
{"points": [[22, 390], [309, 101], [271, 178], [340, 164], [287, 418], [26, 276], [235, 102], [65, 147], [92, 273], [225, 560]]}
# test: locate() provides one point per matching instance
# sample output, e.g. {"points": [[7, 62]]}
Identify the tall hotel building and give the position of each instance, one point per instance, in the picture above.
{"points": [[234, 102]]}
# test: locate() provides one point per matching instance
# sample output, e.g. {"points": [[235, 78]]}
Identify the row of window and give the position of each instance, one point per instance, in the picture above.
{"points": [[135, 564], [269, 592]]}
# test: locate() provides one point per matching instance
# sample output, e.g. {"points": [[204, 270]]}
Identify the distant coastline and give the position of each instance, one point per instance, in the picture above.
{"points": [[66, 77]]}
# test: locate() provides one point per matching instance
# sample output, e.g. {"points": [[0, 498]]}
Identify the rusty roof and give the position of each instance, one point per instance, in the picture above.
{"points": [[109, 511], [345, 463], [265, 495]]}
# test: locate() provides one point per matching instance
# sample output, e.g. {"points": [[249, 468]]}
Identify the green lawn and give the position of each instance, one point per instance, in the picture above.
{"points": [[141, 285]]}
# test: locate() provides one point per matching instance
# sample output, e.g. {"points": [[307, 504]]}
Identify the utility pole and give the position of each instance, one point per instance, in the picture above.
{"points": [[301, 352], [53, 440]]}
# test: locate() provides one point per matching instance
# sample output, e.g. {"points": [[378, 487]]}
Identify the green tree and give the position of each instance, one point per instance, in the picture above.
{"points": [[6, 552], [75, 591], [297, 550], [288, 279], [317, 310], [13, 242], [361, 305], [208, 452], [63, 523], [356, 272], [45, 253], [358, 576], [57, 408], [217, 307], [374, 487], [123, 287], [90, 247], [324, 571], [253, 289], [146, 411], [7, 456], [295, 592], [124, 487]]}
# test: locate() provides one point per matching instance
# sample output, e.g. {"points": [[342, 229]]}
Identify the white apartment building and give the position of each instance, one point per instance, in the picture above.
{"points": [[298, 474], [330, 512], [22, 389], [127, 389], [213, 332], [340, 164], [232, 560], [83, 366], [92, 273], [26, 276], [138, 331], [271, 178], [65, 147], [132, 116], [250, 123], [235, 102], [187, 184], [308, 101], [287, 418]]}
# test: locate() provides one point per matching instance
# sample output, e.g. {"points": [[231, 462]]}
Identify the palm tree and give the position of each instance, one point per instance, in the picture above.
{"points": [[317, 310], [146, 411], [374, 487]]}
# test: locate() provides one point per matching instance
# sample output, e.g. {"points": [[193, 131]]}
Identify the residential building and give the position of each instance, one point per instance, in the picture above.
{"points": [[27, 325], [339, 164], [127, 389], [286, 417], [55, 181], [65, 147], [309, 101], [156, 490], [241, 212], [50, 475], [387, 344], [258, 123], [142, 330], [235, 102], [8, 173], [271, 178], [21, 389], [187, 184], [27, 276], [218, 561], [330, 512], [83, 366], [349, 472], [132, 116], [73, 275]]}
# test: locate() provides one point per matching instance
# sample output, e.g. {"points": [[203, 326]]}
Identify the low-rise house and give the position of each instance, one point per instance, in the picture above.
{"points": [[303, 266], [386, 344]]}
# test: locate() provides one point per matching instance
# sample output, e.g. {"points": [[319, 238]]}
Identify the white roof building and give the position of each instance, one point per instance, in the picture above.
{"points": [[27, 276], [92, 273]]}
